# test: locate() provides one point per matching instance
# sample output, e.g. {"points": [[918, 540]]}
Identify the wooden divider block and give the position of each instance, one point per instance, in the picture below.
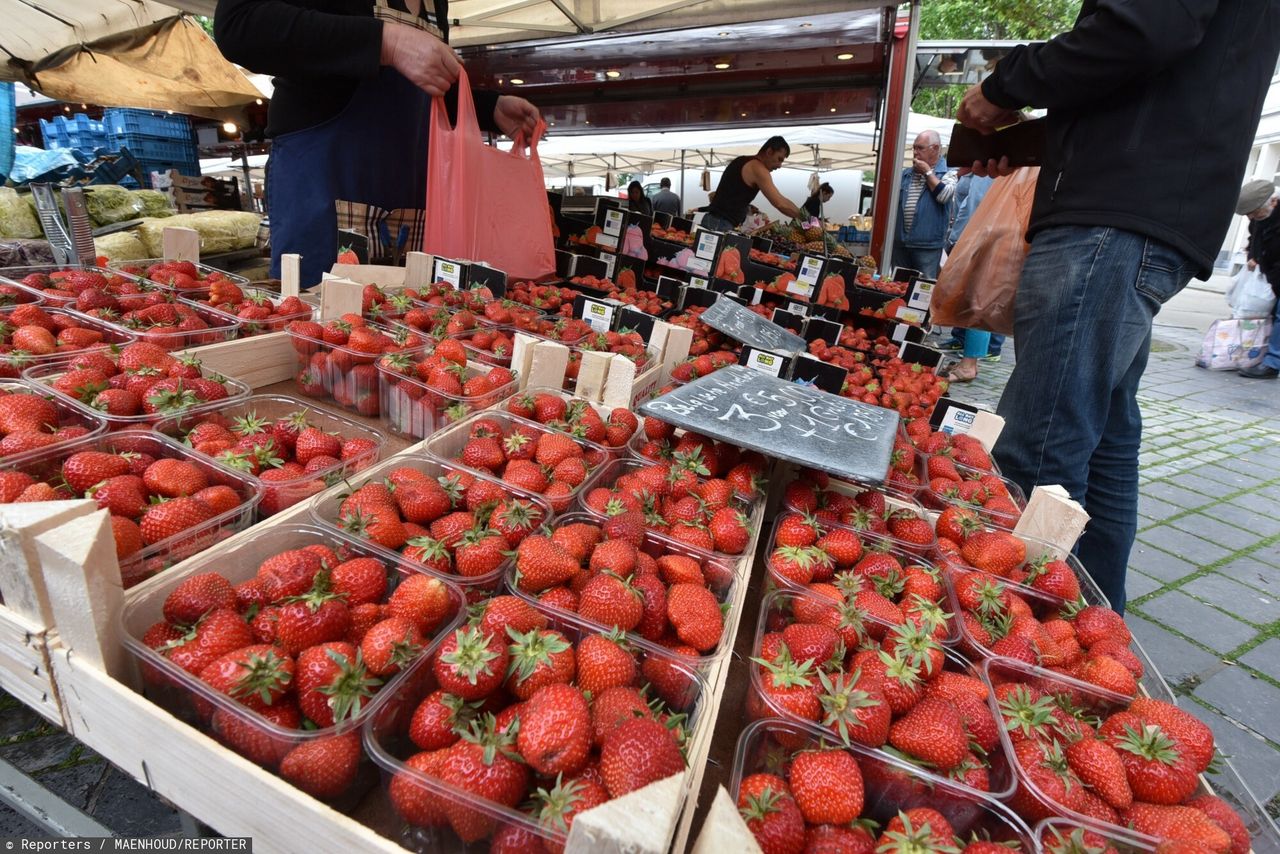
{"points": [[180, 244], [21, 581], [640, 822], [1053, 516], [593, 374], [257, 361], [724, 830]]}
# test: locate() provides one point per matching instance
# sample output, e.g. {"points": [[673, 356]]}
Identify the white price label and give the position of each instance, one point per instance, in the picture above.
{"points": [[448, 271], [613, 222], [921, 295], [708, 243], [697, 282], [610, 261], [807, 279], [899, 333], [911, 315], [598, 315], [798, 308], [768, 363], [957, 420]]}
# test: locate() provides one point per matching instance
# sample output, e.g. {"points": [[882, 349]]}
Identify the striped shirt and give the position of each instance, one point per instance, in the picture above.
{"points": [[918, 187]]}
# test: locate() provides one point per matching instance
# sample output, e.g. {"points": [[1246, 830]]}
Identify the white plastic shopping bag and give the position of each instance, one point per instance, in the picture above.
{"points": [[1250, 295], [1234, 343]]}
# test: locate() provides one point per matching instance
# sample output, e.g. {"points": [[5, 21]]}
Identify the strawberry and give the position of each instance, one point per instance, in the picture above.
{"points": [[1099, 767], [555, 730], [933, 732], [316, 617], [538, 657], [471, 664], [254, 741], [173, 517], [1222, 814], [333, 683], [542, 564], [996, 552], [771, 814], [84, 469], [918, 829], [561, 804], [256, 675], [390, 646], [1179, 823], [610, 600], [324, 767], [604, 662], [219, 632], [422, 600], [480, 763], [438, 720], [827, 786], [196, 596], [174, 478], [638, 753], [695, 615]]}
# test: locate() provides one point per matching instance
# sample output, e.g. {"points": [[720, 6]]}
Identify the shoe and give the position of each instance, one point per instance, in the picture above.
{"points": [[951, 345], [1259, 372], [991, 357]]}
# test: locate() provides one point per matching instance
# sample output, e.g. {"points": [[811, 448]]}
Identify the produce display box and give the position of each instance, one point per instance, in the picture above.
{"points": [[271, 409], [193, 701], [199, 288], [15, 276], [339, 373], [411, 408], [250, 327], [11, 366]]}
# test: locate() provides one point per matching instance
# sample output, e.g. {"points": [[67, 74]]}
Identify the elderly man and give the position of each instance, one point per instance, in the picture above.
{"points": [[924, 207], [665, 201], [1258, 203]]}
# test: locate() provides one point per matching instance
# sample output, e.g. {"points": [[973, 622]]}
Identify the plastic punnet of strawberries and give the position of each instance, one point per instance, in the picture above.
{"points": [[678, 502], [283, 659], [337, 359], [138, 385], [798, 792], [175, 324], [699, 366], [14, 295], [438, 517], [946, 482], [291, 457], [30, 335], [492, 345], [64, 286], [1131, 764], [611, 573], [884, 513], [155, 490], [256, 310], [178, 275], [538, 718], [423, 392], [827, 662], [661, 442], [575, 416], [30, 421], [521, 453]]}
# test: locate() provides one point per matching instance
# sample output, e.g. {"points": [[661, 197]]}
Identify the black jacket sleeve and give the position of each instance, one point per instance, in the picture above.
{"points": [[1120, 42], [284, 39]]}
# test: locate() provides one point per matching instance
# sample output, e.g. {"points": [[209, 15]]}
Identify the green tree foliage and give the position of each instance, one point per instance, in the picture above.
{"points": [[205, 23], [986, 19]]}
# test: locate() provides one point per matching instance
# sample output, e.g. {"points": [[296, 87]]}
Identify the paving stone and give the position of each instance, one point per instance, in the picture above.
{"points": [[1244, 602], [1244, 698], [1257, 762], [1175, 658], [1137, 584], [1265, 658], [1159, 564], [17, 719], [14, 824], [1243, 512], [1268, 554], [1174, 494], [1199, 551], [74, 784], [1249, 570], [41, 752], [130, 810], [1229, 534], [1240, 460], [1213, 483], [1154, 508], [1197, 620]]}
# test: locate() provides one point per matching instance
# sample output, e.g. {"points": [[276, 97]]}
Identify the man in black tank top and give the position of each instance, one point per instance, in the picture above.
{"points": [[744, 178]]}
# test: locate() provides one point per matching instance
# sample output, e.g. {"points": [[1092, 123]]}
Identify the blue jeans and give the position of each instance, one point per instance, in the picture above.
{"points": [[1272, 359], [927, 261], [975, 343], [960, 335], [715, 222], [1083, 323]]}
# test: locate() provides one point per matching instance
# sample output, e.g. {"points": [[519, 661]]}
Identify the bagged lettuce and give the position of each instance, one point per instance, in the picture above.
{"points": [[121, 246], [220, 231], [17, 216]]}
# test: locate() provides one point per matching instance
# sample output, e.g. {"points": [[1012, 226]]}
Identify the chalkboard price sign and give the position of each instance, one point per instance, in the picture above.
{"points": [[797, 423], [750, 328]]}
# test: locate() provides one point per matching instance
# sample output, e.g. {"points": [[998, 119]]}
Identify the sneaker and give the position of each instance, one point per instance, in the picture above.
{"points": [[991, 357], [951, 345], [1259, 372]]}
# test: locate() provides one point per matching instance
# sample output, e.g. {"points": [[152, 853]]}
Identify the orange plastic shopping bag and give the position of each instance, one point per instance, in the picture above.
{"points": [[484, 203], [977, 285]]}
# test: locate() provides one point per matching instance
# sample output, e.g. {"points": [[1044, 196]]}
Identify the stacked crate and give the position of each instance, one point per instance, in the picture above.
{"points": [[158, 140]]}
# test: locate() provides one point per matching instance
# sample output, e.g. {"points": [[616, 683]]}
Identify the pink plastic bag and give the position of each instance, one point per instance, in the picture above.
{"points": [[483, 203]]}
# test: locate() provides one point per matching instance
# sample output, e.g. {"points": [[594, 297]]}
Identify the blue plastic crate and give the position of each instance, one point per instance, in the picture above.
{"points": [[149, 148], [124, 121], [78, 132]]}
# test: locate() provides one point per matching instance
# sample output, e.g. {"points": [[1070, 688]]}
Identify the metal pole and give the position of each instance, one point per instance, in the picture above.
{"points": [[248, 179], [683, 200], [897, 108]]}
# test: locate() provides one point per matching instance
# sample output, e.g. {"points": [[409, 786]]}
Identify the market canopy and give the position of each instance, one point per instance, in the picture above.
{"points": [[128, 53]]}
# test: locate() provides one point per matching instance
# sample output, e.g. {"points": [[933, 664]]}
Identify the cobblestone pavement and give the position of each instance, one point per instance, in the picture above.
{"points": [[1204, 584]]}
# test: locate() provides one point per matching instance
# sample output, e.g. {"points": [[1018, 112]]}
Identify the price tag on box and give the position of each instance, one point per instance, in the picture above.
{"points": [[808, 275], [920, 296], [773, 364], [697, 282], [452, 272], [597, 313]]}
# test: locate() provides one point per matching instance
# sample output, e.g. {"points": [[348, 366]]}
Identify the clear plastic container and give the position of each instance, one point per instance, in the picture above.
{"points": [[220, 327], [411, 408], [447, 445], [473, 341], [159, 556], [935, 501], [16, 275], [67, 416], [191, 700], [911, 440], [889, 785], [279, 495], [1044, 606], [574, 400], [1225, 782], [896, 500], [45, 375], [387, 741], [13, 294], [437, 318], [871, 544], [326, 508], [1036, 550], [776, 613], [347, 377], [13, 364], [140, 269], [1053, 836], [721, 579], [522, 318], [249, 327]]}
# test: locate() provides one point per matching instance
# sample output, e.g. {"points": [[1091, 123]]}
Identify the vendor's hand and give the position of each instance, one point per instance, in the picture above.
{"points": [[921, 167], [1251, 264], [427, 62], [513, 114], [992, 168], [980, 114]]}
